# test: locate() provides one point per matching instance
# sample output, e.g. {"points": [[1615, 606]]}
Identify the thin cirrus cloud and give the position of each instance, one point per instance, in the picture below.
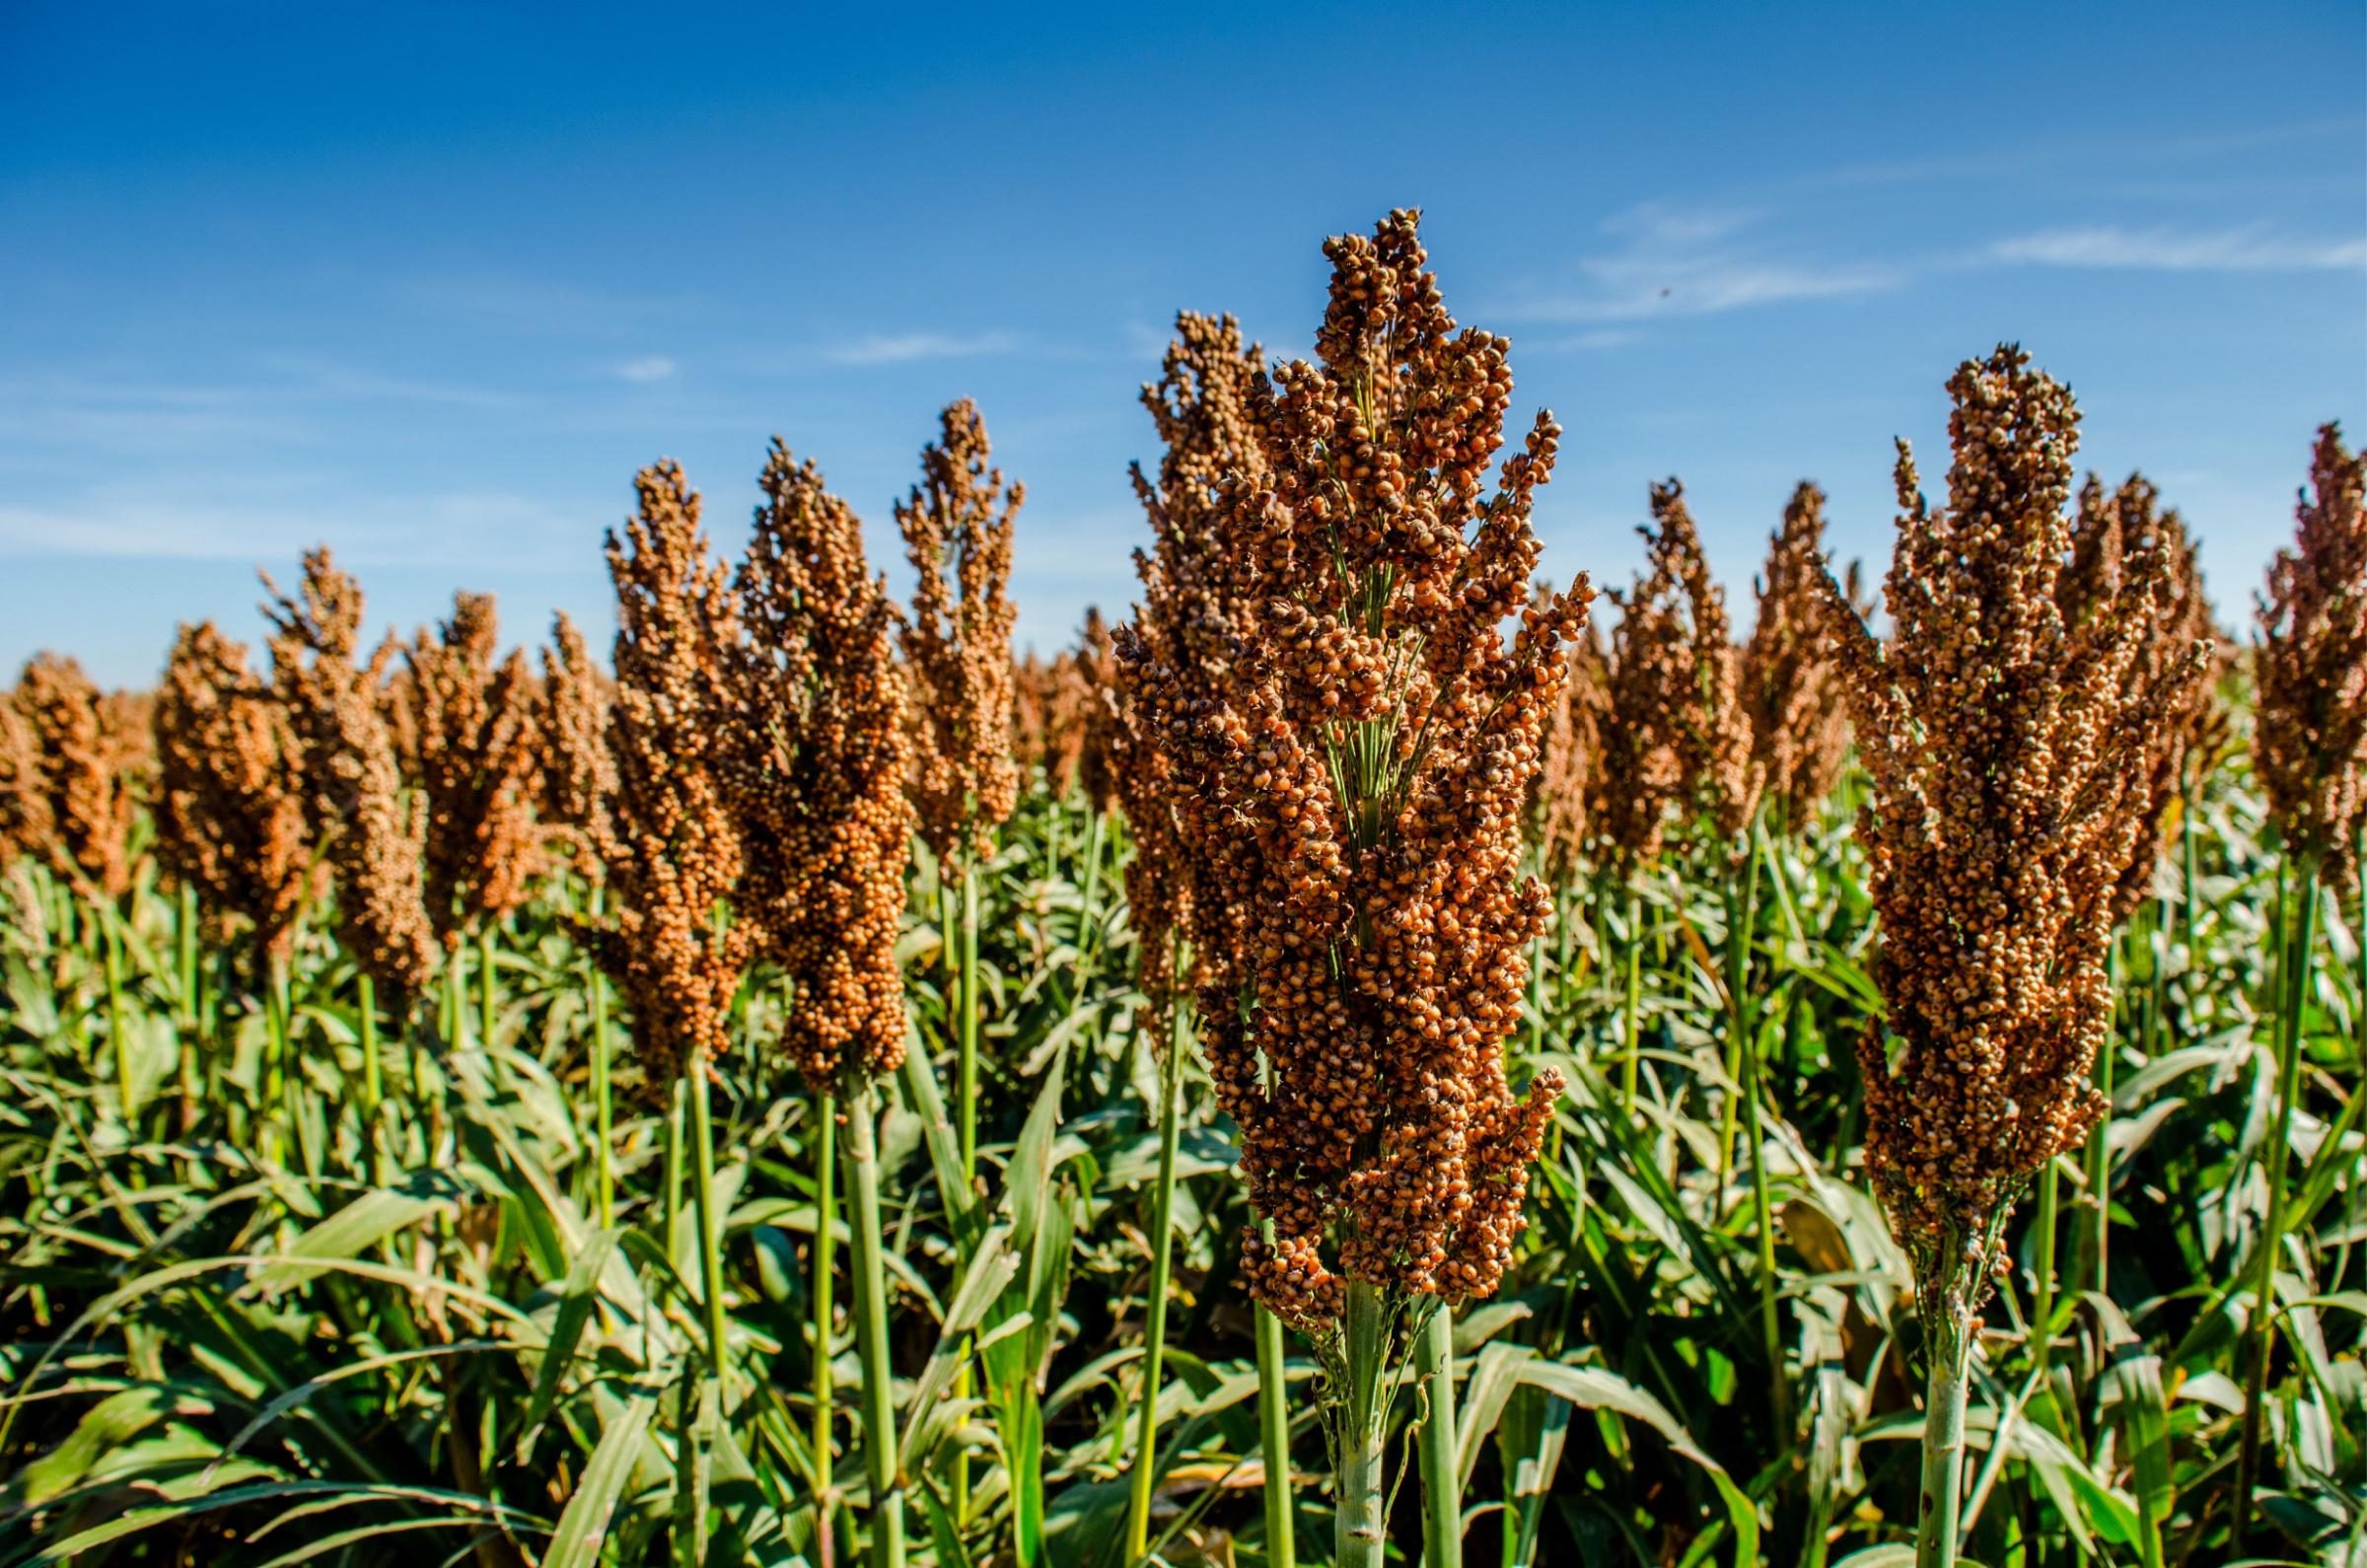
{"points": [[1681, 261], [647, 369], [2249, 248], [906, 348]]}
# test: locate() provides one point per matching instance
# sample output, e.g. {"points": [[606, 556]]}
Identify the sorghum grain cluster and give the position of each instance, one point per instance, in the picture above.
{"points": [[958, 640], [2008, 760], [1356, 786], [2309, 738]]}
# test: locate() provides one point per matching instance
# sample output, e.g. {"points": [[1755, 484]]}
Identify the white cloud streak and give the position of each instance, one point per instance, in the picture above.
{"points": [[1679, 261], [2249, 248], [904, 348], [647, 369]]}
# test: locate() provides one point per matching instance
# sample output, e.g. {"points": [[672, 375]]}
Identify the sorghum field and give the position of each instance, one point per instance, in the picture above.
{"points": [[1381, 1053]]}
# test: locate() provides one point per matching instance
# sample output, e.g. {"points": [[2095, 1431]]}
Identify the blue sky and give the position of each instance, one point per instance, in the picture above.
{"points": [[430, 283]]}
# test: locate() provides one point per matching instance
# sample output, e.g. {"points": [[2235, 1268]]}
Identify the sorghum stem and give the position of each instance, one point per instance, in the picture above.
{"points": [[710, 1223], [969, 1124], [674, 1177], [1628, 1037], [1442, 1490], [2041, 1285], [1947, 1351], [1359, 1538], [1154, 1348], [1273, 1433], [824, 1293], [967, 1023], [373, 1080], [111, 943], [603, 1114], [487, 996], [2294, 979], [870, 1332]]}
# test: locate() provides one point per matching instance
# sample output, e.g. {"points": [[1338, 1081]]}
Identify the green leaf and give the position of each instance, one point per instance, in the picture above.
{"points": [[584, 1525]]}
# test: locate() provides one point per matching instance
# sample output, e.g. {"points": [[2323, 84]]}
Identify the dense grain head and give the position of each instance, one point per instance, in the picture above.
{"points": [[1791, 688], [577, 773], [818, 784], [2008, 759], [2309, 738], [2109, 529], [1090, 701], [1355, 787], [677, 854], [1676, 739], [353, 788], [477, 765], [1568, 756], [85, 768], [230, 821], [1035, 742], [958, 521], [24, 824], [1199, 595]]}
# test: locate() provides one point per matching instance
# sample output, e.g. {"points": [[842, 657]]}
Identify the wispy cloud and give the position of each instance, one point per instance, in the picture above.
{"points": [[2251, 248], [195, 520], [1691, 260], [648, 368], [903, 348]]}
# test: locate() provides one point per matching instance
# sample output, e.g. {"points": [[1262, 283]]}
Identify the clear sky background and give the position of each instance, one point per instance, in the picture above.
{"points": [[429, 283]]}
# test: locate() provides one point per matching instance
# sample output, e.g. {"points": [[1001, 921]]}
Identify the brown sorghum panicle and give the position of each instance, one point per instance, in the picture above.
{"points": [[2310, 737], [2106, 529], [676, 855], [1791, 689], [2008, 782], [230, 792], [25, 825], [959, 641], [578, 775], [478, 766], [1200, 593], [1090, 695], [1035, 722], [81, 775], [818, 787], [1567, 755], [1357, 788], [353, 788], [1676, 739]]}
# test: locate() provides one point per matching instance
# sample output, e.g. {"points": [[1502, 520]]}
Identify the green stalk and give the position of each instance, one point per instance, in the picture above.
{"points": [[1632, 1042], [112, 943], [487, 993], [1359, 1535], [1274, 1437], [2294, 978], [184, 949], [1442, 1488], [1763, 1216], [710, 1223], [455, 988], [279, 1129], [968, 1022], [2093, 1257], [2041, 1285], [823, 1289], [1088, 926], [870, 1332], [1154, 1350], [969, 984], [674, 1177], [602, 1108], [1949, 1352], [372, 1084]]}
